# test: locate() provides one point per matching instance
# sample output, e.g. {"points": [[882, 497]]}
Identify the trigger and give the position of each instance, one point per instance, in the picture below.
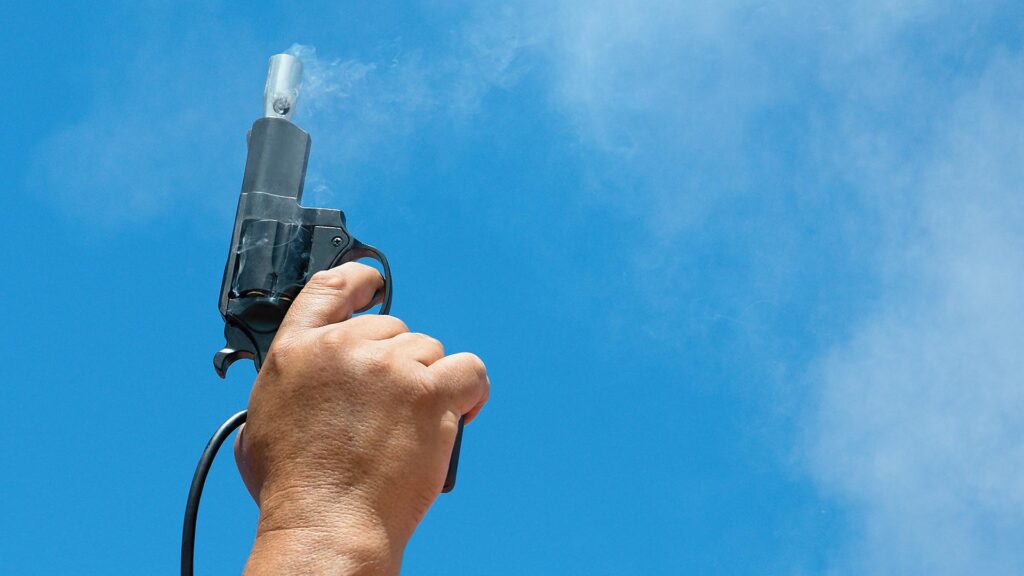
{"points": [[237, 347], [223, 359]]}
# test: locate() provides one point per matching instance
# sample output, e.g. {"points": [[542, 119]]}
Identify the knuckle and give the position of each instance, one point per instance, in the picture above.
{"points": [[344, 278], [384, 323], [356, 268], [279, 348], [434, 342], [359, 272], [477, 365], [283, 352], [284, 345], [377, 360], [277, 358], [399, 324], [337, 339], [425, 388], [327, 281]]}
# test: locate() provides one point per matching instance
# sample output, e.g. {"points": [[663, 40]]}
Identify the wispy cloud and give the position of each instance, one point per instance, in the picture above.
{"points": [[770, 153], [918, 424], [158, 131], [895, 128]]}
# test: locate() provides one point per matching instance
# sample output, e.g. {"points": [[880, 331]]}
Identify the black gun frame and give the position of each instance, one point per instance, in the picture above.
{"points": [[277, 245]]}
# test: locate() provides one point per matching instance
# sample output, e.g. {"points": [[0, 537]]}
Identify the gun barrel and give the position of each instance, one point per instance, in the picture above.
{"points": [[284, 77]]}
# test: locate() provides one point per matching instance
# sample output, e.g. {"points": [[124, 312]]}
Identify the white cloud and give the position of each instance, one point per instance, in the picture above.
{"points": [[917, 423], [668, 90], [920, 421]]}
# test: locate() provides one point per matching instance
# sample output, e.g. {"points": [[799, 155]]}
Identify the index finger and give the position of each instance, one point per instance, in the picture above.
{"points": [[332, 296]]}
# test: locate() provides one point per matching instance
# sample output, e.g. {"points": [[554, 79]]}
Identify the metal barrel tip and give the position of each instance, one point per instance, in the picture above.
{"points": [[284, 77]]}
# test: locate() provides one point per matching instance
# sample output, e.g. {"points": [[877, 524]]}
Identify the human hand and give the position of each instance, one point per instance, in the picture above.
{"points": [[350, 429]]}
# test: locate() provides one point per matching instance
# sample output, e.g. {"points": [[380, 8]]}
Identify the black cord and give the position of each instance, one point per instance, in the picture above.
{"points": [[188, 533]]}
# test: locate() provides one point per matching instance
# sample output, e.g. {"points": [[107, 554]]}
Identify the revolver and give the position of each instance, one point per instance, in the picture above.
{"points": [[277, 244]]}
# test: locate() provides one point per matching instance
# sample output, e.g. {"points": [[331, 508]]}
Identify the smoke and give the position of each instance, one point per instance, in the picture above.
{"points": [[353, 110], [360, 111], [327, 85], [169, 136]]}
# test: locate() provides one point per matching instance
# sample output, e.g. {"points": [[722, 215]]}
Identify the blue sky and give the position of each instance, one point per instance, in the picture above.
{"points": [[747, 275]]}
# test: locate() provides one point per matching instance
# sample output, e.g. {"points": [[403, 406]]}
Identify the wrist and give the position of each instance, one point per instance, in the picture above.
{"points": [[301, 533], [320, 551]]}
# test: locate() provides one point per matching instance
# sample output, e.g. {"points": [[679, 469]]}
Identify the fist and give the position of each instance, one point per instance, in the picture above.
{"points": [[352, 421]]}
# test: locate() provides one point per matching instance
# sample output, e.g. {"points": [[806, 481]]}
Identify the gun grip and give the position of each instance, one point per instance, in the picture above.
{"points": [[453, 464]]}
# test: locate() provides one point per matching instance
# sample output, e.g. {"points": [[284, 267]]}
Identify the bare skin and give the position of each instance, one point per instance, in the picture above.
{"points": [[351, 425]]}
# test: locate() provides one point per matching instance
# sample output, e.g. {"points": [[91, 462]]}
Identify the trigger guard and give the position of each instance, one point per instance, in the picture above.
{"points": [[359, 251]]}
